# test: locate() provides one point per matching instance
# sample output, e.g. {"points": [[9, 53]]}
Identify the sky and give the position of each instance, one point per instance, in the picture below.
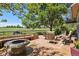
{"points": [[11, 19]]}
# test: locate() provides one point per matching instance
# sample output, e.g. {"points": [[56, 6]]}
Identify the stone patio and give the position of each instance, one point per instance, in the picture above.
{"points": [[42, 47], [42, 42]]}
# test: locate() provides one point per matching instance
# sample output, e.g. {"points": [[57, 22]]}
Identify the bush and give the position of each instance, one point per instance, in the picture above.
{"points": [[77, 44], [63, 28], [69, 28], [57, 31]]}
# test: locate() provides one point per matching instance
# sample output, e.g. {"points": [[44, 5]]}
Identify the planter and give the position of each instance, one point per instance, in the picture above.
{"points": [[74, 51], [49, 35]]}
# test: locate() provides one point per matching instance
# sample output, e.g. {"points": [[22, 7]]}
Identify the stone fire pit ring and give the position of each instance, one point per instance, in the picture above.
{"points": [[16, 47], [16, 43]]}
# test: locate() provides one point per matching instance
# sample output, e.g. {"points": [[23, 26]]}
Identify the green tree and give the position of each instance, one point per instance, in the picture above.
{"points": [[49, 14], [4, 20], [33, 14], [18, 26], [30, 21]]}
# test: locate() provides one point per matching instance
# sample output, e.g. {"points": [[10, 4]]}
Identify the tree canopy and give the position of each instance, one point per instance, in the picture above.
{"points": [[48, 14], [37, 14], [3, 20]]}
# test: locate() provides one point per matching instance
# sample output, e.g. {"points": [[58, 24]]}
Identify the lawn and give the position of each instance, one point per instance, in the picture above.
{"points": [[9, 31], [21, 29]]}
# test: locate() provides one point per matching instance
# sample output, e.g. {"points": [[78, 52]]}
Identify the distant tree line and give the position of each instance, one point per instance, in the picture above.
{"points": [[11, 26]]}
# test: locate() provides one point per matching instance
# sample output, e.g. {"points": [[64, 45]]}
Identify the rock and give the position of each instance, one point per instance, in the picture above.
{"points": [[53, 42], [40, 53], [35, 52], [45, 54]]}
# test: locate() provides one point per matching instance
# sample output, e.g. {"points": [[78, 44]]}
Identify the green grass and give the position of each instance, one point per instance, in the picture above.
{"points": [[20, 29], [9, 31]]}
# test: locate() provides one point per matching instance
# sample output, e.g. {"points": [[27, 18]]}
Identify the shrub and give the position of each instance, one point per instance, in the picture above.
{"points": [[64, 28], [61, 29], [77, 44], [57, 31]]}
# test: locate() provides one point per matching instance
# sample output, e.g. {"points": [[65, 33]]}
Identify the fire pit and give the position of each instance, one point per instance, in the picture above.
{"points": [[16, 47]]}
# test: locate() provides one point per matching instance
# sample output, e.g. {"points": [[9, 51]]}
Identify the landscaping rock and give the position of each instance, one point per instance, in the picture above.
{"points": [[53, 42]]}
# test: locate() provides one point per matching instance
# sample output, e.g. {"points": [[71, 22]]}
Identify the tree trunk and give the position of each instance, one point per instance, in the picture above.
{"points": [[51, 27]]}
